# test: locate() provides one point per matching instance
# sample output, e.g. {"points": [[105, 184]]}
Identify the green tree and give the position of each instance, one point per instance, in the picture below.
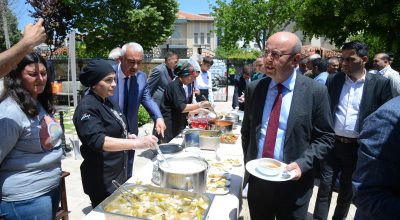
{"points": [[110, 23], [376, 22], [13, 32], [251, 20], [58, 19]]}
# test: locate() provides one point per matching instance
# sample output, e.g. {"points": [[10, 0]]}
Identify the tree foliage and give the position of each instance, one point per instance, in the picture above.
{"points": [[374, 21], [13, 32], [110, 23], [58, 17], [251, 20]]}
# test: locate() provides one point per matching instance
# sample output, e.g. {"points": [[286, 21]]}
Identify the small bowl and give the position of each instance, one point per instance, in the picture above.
{"points": [[269, 167]]}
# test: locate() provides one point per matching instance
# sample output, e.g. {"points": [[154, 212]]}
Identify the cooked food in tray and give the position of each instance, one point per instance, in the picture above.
{"points": [[152, 204], [229, 138]]}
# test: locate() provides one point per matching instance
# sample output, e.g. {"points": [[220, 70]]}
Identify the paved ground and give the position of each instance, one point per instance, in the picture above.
{"points": [[79, 203]]}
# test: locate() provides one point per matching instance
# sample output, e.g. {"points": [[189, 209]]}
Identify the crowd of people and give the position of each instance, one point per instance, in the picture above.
{"points": [[332, 112]]}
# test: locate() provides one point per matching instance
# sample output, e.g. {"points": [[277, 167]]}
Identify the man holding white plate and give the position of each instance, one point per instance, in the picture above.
{"points": [[294, 127]]}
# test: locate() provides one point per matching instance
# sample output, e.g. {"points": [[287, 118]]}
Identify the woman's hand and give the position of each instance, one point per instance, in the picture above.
{"points": [[149, 141], [205, 104]]}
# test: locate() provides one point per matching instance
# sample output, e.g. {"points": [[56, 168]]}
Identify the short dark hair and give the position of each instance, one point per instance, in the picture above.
{"points": [[385, 56], [208, 60], [360, 47], [321, 64], [170, 54]]}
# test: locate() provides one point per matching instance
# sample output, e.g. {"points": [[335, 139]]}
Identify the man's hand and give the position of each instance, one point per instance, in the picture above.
{"points": [[160, 126], [241, 99], [294, 166], [34, 34]]}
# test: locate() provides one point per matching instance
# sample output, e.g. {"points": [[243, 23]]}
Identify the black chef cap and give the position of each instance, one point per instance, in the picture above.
{"points": [[94, 72]]}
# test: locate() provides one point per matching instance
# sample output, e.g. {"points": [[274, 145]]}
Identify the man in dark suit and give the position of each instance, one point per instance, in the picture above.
{"points": [[161, 76], [376, 179], [354, 94], [286, 117], [132, 90]]}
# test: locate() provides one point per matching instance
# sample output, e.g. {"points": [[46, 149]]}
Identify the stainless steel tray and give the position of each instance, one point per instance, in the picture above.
{"points": [[113, 197]]}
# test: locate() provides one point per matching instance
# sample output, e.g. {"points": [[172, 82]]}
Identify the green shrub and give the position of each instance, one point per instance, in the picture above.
{"points": [[143, 116]]}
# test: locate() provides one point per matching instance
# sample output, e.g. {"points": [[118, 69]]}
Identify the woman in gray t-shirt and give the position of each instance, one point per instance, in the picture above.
{"points": [[30, 152]]}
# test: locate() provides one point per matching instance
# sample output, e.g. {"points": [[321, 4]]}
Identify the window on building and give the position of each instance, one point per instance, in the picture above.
{"points": [[196, 38], [201, 38], [208, 38]]}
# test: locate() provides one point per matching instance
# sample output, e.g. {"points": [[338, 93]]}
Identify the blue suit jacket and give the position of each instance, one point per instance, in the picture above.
{"points": [[376, 179], [143, 97]]}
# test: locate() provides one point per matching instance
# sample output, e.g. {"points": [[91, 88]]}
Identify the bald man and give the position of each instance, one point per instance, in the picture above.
{"points": [[382, 64], [294, 126]]}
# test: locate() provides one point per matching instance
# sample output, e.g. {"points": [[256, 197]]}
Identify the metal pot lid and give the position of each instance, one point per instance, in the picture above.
{"points": [[170, 148]]}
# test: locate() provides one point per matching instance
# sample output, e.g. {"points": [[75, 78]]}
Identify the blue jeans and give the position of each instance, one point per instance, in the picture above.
{"points": [[43, 207]]}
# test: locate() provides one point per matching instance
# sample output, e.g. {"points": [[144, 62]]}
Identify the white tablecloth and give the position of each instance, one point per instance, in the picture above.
{"points": [[224, 206]]}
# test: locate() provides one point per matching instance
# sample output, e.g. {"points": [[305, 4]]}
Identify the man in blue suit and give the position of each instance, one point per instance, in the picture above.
{"points": [[132, 90], [376, 180]]}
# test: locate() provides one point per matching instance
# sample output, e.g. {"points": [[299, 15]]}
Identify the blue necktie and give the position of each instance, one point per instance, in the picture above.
{"points": [[126, 95]]}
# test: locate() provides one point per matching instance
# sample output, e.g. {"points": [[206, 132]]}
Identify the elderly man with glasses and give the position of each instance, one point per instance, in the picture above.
{"points": [[287, 118], [132, 90]]}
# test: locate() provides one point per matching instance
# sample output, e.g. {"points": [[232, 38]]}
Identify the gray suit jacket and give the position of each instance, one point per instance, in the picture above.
{"points": [[309, 132], [158, 81]]}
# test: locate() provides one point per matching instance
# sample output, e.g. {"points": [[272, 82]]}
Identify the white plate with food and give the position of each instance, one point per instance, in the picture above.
{"points": [[218, 175], [259, 169], [218, 190], [218, 183], [233, 162]]}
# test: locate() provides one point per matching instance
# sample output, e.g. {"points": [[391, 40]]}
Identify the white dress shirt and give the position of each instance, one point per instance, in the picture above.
{"points": [[204, 81], [346, 115]]}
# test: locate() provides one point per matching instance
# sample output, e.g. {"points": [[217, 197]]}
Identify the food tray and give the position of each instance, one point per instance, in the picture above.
{"points": [[116, 198]]}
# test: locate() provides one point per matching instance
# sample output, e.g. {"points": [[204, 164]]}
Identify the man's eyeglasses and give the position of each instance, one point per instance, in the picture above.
{"points": [[133, 62], [275, 54]]}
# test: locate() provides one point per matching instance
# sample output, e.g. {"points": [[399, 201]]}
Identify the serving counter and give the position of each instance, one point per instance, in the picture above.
{"points": [[223, 206]]}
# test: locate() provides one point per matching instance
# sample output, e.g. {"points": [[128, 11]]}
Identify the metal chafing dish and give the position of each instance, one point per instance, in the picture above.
{"points": [[111, 212]]}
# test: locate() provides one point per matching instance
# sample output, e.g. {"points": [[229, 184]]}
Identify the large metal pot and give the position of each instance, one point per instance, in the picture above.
{"points": [[186, 173], [221, 125]]}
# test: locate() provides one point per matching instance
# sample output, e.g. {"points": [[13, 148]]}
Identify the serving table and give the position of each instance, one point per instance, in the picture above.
{"points": [[223, 206]]}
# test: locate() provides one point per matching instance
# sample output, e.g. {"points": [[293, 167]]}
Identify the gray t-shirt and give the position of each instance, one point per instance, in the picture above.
{"points": [[30, 153]]}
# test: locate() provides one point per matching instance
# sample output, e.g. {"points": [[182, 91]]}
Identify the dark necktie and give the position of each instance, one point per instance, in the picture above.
{"points": [[126, 95], [272, 129], [189, 88]]}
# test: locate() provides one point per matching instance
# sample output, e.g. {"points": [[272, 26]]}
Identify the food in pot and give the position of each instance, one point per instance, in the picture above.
{"points": [[229, 138], [183, 167], [156, 205]]}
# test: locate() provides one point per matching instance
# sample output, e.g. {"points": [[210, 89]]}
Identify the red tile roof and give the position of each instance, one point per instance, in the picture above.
{"points": [[194, 17]]}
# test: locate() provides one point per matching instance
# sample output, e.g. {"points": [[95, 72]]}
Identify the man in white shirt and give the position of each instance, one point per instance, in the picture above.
{"points": [[354, 94], [382, 64], [203, 83]]}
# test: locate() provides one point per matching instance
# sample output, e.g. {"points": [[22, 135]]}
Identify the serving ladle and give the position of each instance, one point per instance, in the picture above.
{"points": [[125, 193], [213, 113], [161, 153]]}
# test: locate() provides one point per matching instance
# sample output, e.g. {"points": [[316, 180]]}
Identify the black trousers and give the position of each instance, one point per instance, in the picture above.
{"points": [[203, 92], [343, 159], [269, 200]]}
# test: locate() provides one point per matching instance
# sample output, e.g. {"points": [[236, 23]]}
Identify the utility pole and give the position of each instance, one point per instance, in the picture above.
{"points": [[3, 11]]}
